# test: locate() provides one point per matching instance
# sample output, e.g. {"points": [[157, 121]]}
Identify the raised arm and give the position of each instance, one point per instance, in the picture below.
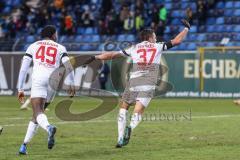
{"points": [[179, 38]]}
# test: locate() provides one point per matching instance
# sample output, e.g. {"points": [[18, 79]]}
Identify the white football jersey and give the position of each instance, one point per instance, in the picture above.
{"points": [[46, 56], [145, 57]]}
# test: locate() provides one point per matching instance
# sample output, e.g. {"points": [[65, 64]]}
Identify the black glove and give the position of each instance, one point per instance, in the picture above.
{"points": [[186, 23], [89, 60]]}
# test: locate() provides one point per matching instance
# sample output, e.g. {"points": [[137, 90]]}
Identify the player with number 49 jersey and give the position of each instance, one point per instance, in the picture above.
{"points": [[47, 55]]}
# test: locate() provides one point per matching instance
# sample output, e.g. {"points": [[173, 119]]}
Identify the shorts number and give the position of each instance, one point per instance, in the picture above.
{"points": [[143, 55], [49, 55]]}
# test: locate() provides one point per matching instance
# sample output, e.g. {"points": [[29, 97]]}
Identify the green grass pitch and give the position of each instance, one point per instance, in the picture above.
{"points": [[213, 132]]}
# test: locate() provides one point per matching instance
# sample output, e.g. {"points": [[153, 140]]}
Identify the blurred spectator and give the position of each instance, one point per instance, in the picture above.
{"points": [[110, 24], [87, 18], [107, 7], [160, 28], [139, 21], [211, 3], [139, 5], [101, 27], [11, 29], [201, 12], [163, 13], [155, 18], [30, 28], [58, 4], [129, 23], [1, 32], [2, 5], [103, 75], [124, 13], [189, 14], [68, 22]]}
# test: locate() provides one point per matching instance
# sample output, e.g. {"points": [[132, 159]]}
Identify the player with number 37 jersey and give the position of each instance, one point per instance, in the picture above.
{"points": [[141, 85]]}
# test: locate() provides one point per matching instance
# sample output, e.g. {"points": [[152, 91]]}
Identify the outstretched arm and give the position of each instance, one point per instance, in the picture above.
{"points": [[103, 56], [108, 55], [179, 38]]}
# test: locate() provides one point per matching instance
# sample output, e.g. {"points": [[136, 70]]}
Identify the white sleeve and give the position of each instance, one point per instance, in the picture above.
{"points": [[69, 70], [23, 71], [126, 52], [164, 45], [63, 52], [29, 50]]}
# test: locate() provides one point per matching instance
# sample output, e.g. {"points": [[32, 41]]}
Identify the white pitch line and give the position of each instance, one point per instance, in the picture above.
{"points": [[103, 121], [216, 116]]}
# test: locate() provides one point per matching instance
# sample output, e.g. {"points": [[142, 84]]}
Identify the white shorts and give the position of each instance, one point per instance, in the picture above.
{"points": [[42, 89]]}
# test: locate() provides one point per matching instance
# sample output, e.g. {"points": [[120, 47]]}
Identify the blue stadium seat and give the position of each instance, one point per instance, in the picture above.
{"points": [[193, 29], [211, 28], [236, 28], [178, 13], [168, 5], [80, 30], [26, 46], [90, 30], [30, 39], [7, 9], [69, 39], [101, 47], [122, 37], [87, 38], [237, 4], [167, 30], [211, 21], [191, 46], [75, 47], [237, 12], [220, 20], [130, 38], [182, 46], [95, 38], [220, 5], [228, 12], [210, 44], [229, 4], [220, 28], [79, 38], [201, 37], [86, 47], [184, 5], [176, 21]]}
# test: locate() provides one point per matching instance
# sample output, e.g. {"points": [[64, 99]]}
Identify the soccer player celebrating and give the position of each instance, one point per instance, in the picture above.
{"points": [[47, 55], [143, 77]]}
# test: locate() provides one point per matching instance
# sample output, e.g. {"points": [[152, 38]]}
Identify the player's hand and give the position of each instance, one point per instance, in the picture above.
{"points": [[21, 97], [89, 60], [186, 23], [71, 91]]}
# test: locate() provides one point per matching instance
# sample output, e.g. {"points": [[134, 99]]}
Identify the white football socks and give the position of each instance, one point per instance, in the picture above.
{"points": [[122, 120], [135, 120], [42, 121], [31, 131]]}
